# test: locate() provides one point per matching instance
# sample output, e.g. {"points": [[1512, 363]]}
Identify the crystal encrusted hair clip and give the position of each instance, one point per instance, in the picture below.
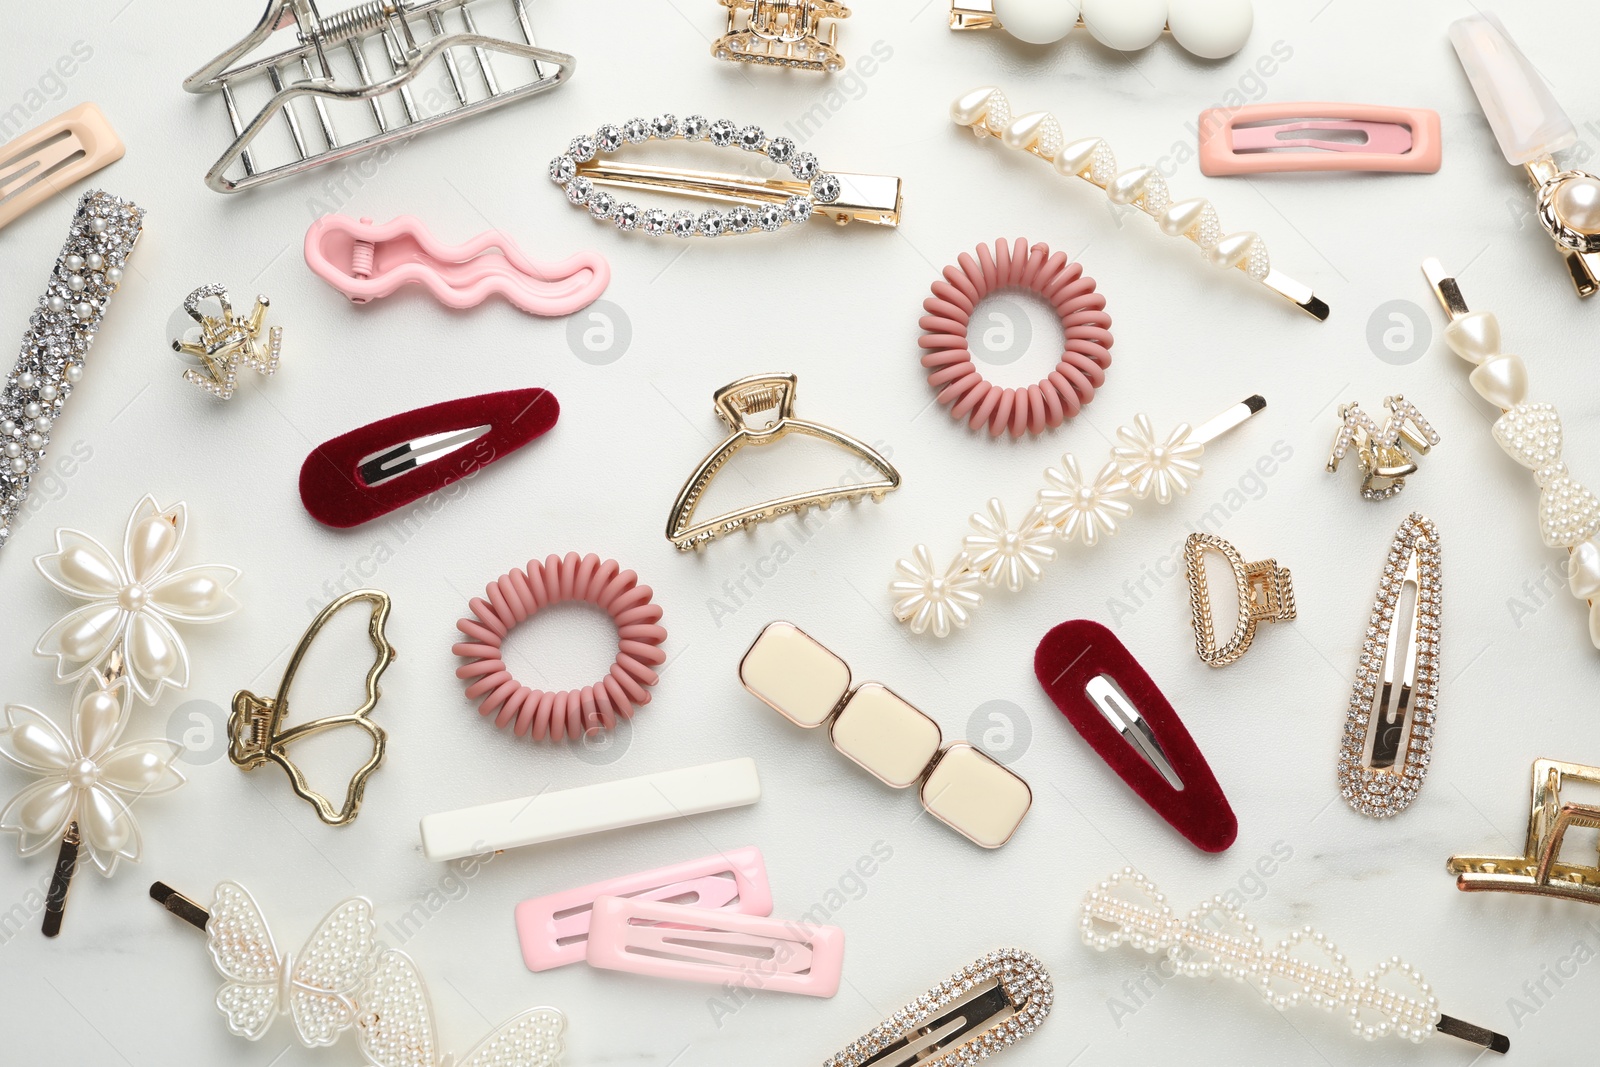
{"points": [[987, 113], [1075, 505], [761, 204]]}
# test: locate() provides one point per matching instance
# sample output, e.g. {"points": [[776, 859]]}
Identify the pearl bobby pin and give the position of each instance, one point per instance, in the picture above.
{"points": [[1075, 504], [1210, 29], [1217, 940], [987, 113], [1531, 434]]}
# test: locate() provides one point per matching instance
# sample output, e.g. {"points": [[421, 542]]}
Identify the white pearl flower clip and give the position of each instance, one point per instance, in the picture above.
{"points": [[133, 601], [1075, 505], [343, 979]]}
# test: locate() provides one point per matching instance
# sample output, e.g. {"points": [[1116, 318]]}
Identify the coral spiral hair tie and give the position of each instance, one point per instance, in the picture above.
{"points": [[1085, 326], [518, 594]]}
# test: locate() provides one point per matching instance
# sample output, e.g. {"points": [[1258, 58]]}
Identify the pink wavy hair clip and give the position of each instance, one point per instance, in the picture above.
{"points": [[366, 261]]}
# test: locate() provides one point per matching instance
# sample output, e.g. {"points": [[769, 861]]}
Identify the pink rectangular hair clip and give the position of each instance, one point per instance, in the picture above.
{"points": [[715, 947], [1275, 138], [554, 929]]}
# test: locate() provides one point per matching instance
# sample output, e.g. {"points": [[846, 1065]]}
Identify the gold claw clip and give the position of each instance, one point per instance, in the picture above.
{"points": [[1382, 450], [1263, 592], [782, 33], [1540, 871]]}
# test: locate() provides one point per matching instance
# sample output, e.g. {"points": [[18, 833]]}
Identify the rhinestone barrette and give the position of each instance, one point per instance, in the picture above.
{"points": [[763, 205]]}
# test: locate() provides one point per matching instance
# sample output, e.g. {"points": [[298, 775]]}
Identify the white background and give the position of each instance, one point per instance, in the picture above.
{"points": [[127, 983]]}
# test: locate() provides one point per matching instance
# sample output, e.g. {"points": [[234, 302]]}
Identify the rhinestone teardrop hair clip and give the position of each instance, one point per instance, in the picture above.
{"points": [[761, 204], [987, 113]]}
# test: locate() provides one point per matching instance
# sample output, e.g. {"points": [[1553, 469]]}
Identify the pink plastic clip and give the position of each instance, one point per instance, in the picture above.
{"points": [[367, 260], [715, 947], [554, 929], [1252, 139]]}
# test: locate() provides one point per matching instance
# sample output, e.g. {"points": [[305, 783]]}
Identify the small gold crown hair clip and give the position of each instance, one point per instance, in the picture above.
{"points": [[227, 341], [762, 205], [1540, 870], [1385, 463], [1531, 434], [1217, 940], [987, 113], [782, 33]]}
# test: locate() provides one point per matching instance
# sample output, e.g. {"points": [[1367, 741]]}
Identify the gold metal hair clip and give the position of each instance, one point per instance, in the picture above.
{"points": [[1262, 592], [782, 33], [1385, 463], [759, 410], [226, 341], [987, 113], [1540, 870], [256, 731]]}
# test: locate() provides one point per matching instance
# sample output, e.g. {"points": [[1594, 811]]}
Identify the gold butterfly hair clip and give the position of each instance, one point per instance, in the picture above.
{"points": [[256, 730]]}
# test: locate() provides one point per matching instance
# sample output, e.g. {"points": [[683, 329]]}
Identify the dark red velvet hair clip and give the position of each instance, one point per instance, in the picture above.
{"points": [[1109, 699], [385, 465]]}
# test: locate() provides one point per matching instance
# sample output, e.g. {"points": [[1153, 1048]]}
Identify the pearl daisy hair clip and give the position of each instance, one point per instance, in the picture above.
{"points": [[1073, 505], [343, 979], [1530, 128], [1540, 870], [984, 1008], [1218, 940], [55, 348], [1385, 463], [226, 341], [1210, 29], [1531, 434], [762, 204], [987, 113]]}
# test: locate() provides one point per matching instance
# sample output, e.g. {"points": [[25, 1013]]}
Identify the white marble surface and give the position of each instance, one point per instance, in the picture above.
{"points": [[127, 983]]}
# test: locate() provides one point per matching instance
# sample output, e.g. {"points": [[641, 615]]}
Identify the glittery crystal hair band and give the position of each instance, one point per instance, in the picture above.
{"points": [[987, 113], [1075, 505], [1216, 940], [87, 271], [1531, 434]]}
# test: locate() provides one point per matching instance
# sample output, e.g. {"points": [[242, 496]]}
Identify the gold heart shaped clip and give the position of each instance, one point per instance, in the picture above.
{"points": [[256, 734]]}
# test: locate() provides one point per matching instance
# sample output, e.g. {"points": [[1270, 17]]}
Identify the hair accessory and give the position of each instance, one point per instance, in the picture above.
{"points": [[794, 674], [590, 809], [42, 162], [987, 112], [1388, 733], [1384, 459], [369, 472], [782, 33], [987, 1006], [1074, 505], [1216, 939], [256, 730], [1540, 870], [716, 947], [517, 595], [227, 340], [1107, 696], [763, 204], [87, 271], [133, 600], [554, 929], [1210, 29], [357, 91], [87, 780], [1285, 138], [1531, 434], [1085, 326], [367, 261], [740, 405], [1262, 593], [1531, 128], [344, 979]]}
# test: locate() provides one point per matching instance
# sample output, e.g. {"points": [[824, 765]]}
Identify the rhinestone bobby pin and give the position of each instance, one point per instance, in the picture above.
{"points": [[1215, 939], [987, 113]]}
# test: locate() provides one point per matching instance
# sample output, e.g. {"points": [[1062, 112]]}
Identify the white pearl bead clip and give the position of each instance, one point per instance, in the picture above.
{"points": [[1209, 29]]}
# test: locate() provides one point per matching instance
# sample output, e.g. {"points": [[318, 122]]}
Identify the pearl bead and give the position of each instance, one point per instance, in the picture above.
{"points": [[1502, 380], [83, 773], [97, 225], [76, 283], [1232, 249], [8, 428], [1474, 336], [1583, 571], [35, 442], [26, 381], [74, 372], [133, 597], [32, 409], [94, 261], [971, 108], [1126, 25], [19, 465], [55, 303], [114, 275], [1211, 29], [84, 310], [12, 449], [43, 423], [73, 263], [1037, 21], [1022, 133], [1181, 217], [47, 391], [1577, 203]]}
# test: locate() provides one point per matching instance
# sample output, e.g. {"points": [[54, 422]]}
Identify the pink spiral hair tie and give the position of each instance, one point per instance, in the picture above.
{"points": [[512, 598], [1053, 399]]}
